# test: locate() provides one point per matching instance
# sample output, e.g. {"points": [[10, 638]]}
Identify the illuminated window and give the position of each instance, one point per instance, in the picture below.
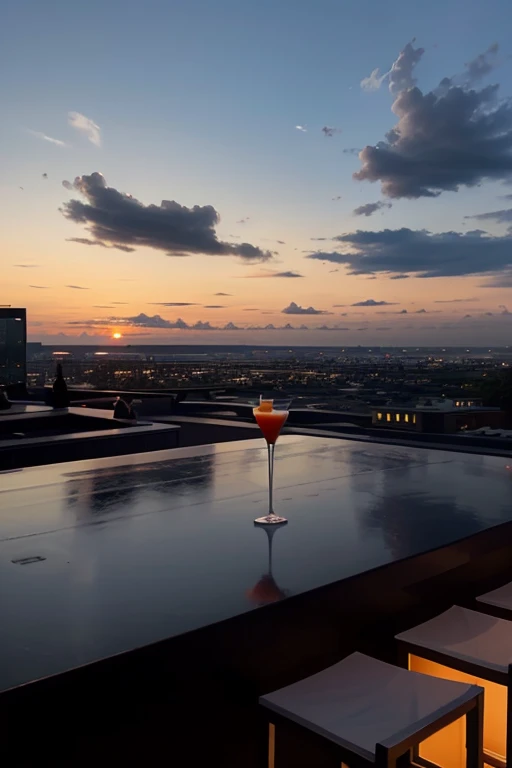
{"points": [[414, 418], [397, 417], [388, 417], [379, 417], [457, 404], [406, 418]]}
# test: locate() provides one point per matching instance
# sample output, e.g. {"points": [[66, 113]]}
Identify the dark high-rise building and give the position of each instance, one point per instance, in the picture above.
{"points": [[13, 347]]}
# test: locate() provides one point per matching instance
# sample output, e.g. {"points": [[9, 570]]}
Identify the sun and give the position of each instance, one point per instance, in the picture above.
{"points": [[117, 335]]}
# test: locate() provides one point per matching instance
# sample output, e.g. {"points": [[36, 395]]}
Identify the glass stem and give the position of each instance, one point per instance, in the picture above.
{"points": [[270, 448]]}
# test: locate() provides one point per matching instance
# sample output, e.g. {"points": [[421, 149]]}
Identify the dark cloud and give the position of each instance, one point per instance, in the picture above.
{"points": [[173, 304], [454, 301], [251, 309], [118, 219], [399, 277], [450, 137], [333, 270], [373, 303], [504, 280], [338, 197], [421, 253], [244, 220], [26, 266], [220, 293], [269, 273], [370, 208], [39, 287], [67, 185], [420, 312], [501, 217], [383, 328], [295, 309], [78, 287], [329, 132], [103, 306], [88, 241], [44, 175], [214, 306]]}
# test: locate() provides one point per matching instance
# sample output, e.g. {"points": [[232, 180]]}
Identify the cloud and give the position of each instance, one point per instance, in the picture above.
{"points": [[482, 65], [244, 220], [270, 273], [40, 287], [421, 252], [88, 241], [501, 217], [251, 309], [103, 306], [399, 277], [44, 137], [503, 280], [220, 293], [504, 309], [86, 126], [301, 128], [401, 72], [400, 76], [173, 304], [67, 185], [333, 270], [295, 309], [77, 287], [329, 132], [338, 197], [369, 208], [454, 301], [420, 312], [44, 175], [373, 303], [119, 302], [374, 80], [26, 266], [352, 151], [118, 219], [383, 328], [214, 306], [450, 137]]}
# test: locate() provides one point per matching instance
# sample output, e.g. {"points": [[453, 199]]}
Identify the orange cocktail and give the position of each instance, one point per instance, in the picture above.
{"points": [[270, 421]]}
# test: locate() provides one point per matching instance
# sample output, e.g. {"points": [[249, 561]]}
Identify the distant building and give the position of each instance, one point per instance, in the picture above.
{"points": [[439, 416], [13, 347]]}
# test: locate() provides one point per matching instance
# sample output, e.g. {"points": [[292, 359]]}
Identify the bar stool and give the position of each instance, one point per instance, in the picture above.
{"points": [[498, 602], [470, 647], [362, 711]]}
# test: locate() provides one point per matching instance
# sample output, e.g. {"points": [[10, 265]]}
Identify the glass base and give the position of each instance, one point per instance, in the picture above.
{"points": [[271, 520]]}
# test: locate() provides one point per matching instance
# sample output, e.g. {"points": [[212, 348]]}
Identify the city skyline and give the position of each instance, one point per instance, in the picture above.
{"points": [[295, 173]]}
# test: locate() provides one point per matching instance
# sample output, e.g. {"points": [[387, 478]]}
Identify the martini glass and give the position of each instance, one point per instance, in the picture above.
{"points": [[271, 415]]}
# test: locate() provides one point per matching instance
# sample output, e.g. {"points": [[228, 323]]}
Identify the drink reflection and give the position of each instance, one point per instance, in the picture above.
{"points": [[266, 590]]}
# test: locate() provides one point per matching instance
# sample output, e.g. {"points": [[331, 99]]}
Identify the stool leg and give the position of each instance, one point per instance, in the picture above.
{"points": [[509, 718], [475, 734]]}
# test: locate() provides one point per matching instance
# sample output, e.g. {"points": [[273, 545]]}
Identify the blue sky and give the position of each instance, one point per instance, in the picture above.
{"points": [[198, 102]]}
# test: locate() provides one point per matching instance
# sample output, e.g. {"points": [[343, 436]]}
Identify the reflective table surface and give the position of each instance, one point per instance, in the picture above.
{"points": [[104, 556]]}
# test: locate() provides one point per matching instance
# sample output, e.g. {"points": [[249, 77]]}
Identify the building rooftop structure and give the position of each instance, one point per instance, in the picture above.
{"points": [[139, 580]]}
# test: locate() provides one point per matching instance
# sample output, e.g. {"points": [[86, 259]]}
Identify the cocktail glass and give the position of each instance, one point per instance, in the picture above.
{"points": [[271, 415]]}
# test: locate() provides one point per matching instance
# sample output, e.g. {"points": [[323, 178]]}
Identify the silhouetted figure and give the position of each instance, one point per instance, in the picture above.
{"points": [[123, 409], [60, 390], [5, 403]]}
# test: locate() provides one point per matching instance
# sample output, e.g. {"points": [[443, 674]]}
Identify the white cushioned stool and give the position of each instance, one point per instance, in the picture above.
{"points": [[498, 602], [470, 647], [362, 711]]}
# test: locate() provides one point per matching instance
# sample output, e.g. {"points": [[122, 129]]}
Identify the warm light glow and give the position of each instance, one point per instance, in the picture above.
{"points": [[446, 747], [117, 335]]}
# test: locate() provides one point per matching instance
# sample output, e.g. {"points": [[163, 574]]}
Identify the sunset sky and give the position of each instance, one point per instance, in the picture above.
{"points": [[196, 170]]}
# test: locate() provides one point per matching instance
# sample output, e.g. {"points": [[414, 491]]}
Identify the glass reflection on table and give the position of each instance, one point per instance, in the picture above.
{"points": [[266, 590]]}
